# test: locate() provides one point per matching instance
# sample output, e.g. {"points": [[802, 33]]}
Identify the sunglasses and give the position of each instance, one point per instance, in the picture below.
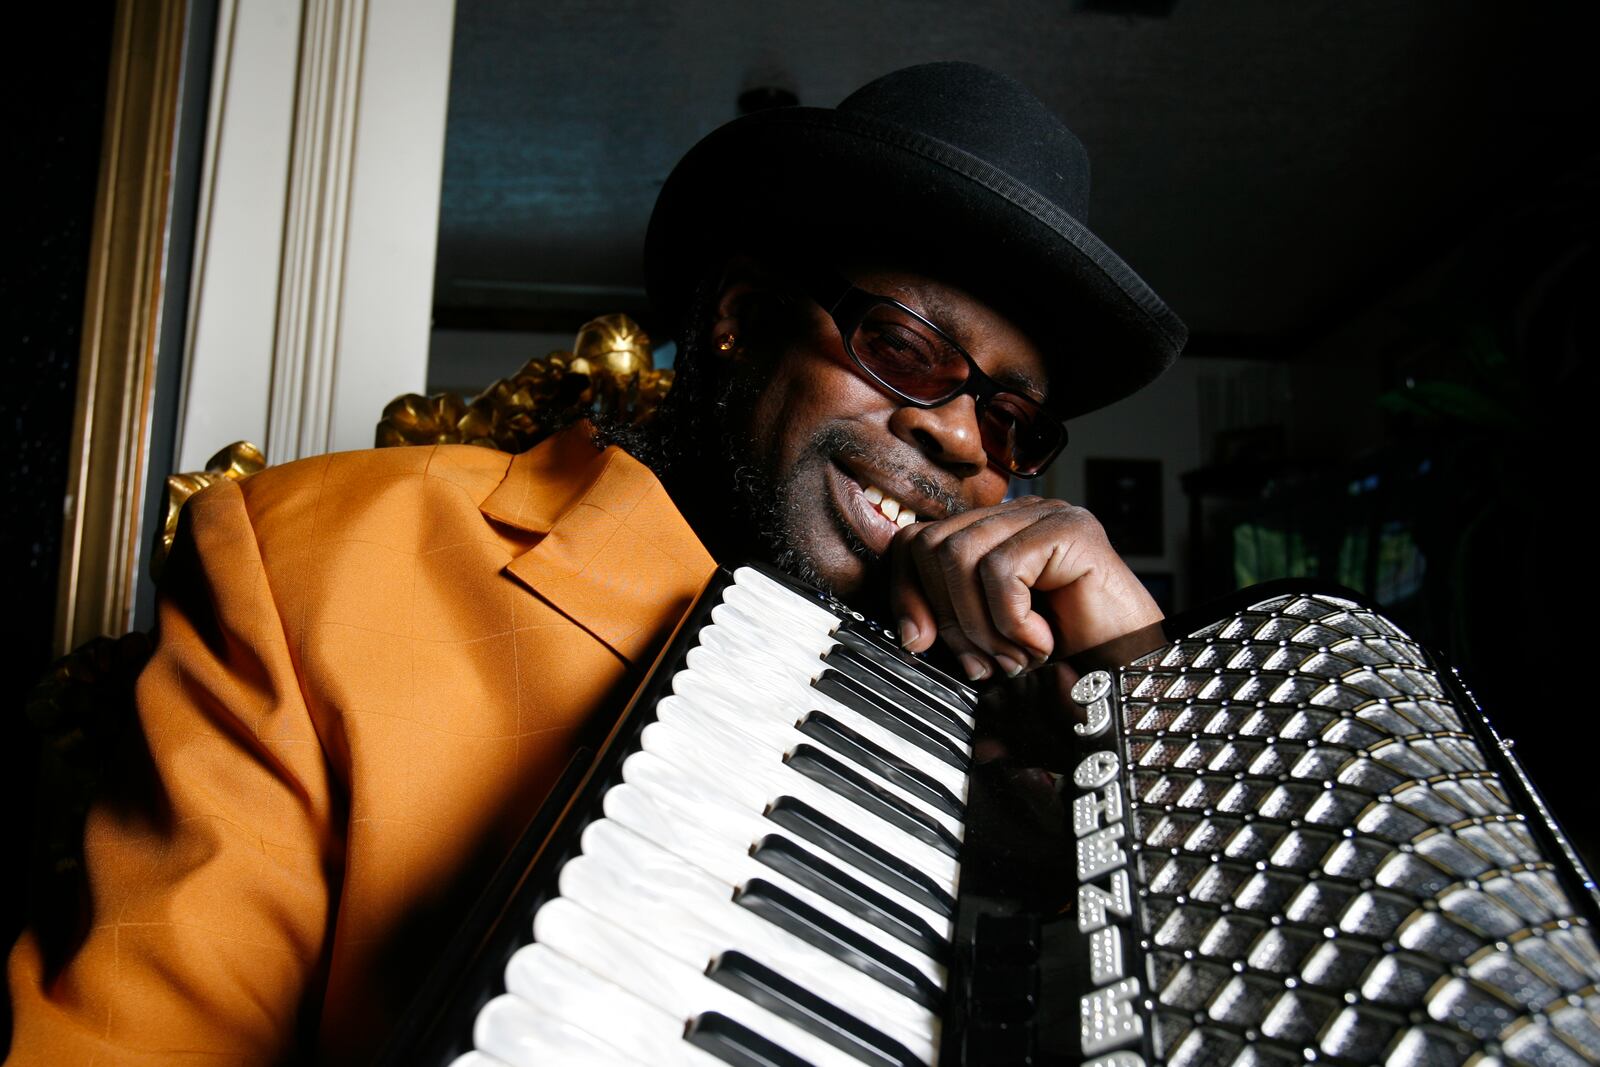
{"points": [[922, 365]]}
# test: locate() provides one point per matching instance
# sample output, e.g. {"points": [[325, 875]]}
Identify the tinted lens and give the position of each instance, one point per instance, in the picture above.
{"points": [[908, 355], [1018, 434], [918, 361]]}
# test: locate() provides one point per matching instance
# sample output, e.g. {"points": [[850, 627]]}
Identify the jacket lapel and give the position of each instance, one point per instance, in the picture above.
{"points": [[615, 556]]}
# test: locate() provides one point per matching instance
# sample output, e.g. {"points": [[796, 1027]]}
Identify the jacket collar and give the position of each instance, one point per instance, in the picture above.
{"points": [[615, 556]]}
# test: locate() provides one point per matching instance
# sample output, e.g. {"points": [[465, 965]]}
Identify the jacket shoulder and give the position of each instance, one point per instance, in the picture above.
{"points": [[379, 491], [452, 469]]}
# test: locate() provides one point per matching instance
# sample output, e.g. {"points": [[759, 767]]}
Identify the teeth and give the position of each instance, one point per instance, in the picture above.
{"points": [[891, 508]]}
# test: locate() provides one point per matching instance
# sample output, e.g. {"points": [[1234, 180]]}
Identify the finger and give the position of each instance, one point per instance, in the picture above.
{"points": [[948, 561], [921, 603], [918, 626], [1091, 593], [1007, 574], [962, 559], [913, 614]]}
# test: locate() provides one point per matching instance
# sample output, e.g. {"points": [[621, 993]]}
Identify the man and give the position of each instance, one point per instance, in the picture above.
{"points": [[372, 666]]}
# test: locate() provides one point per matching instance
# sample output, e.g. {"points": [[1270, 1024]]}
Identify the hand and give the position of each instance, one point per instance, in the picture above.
{"points": [[1007, 586]]}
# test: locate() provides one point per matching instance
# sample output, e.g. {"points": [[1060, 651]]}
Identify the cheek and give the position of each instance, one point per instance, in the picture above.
{"points": [[806, 393]]}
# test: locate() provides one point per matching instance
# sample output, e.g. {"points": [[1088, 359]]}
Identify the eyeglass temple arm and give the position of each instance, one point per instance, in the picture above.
{"points": [[823, 285]]}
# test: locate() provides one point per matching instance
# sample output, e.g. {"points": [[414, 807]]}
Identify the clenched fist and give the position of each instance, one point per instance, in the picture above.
{"points": [[1008, 586]]}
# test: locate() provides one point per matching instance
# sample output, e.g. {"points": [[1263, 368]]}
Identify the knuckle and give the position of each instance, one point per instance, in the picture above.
{"points": [[1078, 520], [996, 565], [961, 545]]}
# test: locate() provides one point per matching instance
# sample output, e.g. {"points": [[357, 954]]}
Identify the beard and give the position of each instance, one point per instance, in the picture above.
{"points": [[721, 483], [768, 508]]}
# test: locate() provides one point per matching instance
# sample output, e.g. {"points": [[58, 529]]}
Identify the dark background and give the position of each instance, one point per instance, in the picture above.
{"points": [[55, 105]]}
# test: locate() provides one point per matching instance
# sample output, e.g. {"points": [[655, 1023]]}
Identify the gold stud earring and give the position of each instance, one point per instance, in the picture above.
{"points": [[727, 343]]}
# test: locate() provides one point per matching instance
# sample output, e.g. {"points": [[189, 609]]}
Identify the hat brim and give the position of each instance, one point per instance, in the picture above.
{"points": [[848, 186]]}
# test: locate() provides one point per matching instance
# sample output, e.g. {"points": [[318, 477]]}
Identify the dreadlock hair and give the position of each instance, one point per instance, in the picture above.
{"points": [[698, 379], [698, 443]]}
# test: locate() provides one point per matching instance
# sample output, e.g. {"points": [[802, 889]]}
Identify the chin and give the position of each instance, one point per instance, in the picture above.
{"points": [[825, 552]]}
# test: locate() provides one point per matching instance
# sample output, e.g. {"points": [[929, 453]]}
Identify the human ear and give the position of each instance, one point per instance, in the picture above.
{"points": [[751, 306]]}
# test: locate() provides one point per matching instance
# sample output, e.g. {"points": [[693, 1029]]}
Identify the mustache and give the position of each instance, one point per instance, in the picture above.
{"points": [[908, 464]]}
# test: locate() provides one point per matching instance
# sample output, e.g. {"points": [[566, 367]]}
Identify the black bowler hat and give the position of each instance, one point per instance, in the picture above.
{"points": [[950, 168]]}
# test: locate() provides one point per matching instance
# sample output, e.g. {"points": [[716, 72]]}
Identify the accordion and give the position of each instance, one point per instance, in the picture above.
{"points": [[1280, 833]]}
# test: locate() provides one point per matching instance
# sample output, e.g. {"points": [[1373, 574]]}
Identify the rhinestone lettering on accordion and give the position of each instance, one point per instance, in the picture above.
{"points": [[1306, 849]]}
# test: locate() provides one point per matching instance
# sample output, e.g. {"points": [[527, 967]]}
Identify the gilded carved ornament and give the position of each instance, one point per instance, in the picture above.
{"points": [[609, 372]]}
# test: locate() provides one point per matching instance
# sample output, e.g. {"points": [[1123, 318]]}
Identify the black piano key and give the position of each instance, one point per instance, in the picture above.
{"points": [[858, 898], [857, 697], [869, 796], [828, 1022], [787, 911], [808, 823], [915, 672], [834, 735], [880, 678], [733, 1042]]}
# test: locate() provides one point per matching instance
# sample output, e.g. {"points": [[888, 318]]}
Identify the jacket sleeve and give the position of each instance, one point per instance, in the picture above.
{"points": [[213, 856]]}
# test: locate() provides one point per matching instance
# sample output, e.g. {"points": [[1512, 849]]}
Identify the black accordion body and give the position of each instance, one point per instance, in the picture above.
{"points": [[1279, 834]]}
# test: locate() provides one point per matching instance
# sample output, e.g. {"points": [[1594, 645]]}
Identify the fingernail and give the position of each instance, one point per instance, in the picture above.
{"points": [[908, 633], [976, 669], [1009, 665]]}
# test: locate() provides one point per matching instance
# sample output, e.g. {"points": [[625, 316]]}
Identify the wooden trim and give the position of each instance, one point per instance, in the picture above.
{"points": [[122, 317], [316, 228]]}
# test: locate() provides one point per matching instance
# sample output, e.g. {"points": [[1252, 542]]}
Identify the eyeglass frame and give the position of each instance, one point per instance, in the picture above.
{"points": [[847, 305]]}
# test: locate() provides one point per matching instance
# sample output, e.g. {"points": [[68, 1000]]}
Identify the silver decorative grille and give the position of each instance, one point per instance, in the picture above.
{"points": [[1327, 867]]}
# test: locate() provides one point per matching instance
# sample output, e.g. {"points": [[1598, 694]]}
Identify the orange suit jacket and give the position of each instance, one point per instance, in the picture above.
{"points": [[371, 668]]}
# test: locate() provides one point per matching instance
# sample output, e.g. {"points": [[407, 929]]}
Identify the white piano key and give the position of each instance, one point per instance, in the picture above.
{"points": [[520, 1034], [768, 737], [757, 618], [794, 640], [689, 914], [783, 599], [611, 1014], [724, 652], [698, 800], [619, 955], [710, 682], [792, 699], [700, 743], [751, 587], [730, 862], [772, 736]]}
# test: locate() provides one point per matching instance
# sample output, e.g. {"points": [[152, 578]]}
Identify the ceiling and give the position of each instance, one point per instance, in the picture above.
{"points": [[1268, 166]]}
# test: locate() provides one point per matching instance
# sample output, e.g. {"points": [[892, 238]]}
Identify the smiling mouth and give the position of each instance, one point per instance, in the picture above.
{"points": [[875, 515]]}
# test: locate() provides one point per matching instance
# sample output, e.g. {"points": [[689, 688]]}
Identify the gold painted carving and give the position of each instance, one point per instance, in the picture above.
{"points": [[239, 460], [608, 372]]}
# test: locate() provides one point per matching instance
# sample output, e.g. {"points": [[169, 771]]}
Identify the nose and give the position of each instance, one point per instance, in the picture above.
{"points": [[948, 434]]}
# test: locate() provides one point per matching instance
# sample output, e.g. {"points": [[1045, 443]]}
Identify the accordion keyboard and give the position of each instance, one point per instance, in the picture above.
{"points": [[1273, 832], [774, 876]]}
